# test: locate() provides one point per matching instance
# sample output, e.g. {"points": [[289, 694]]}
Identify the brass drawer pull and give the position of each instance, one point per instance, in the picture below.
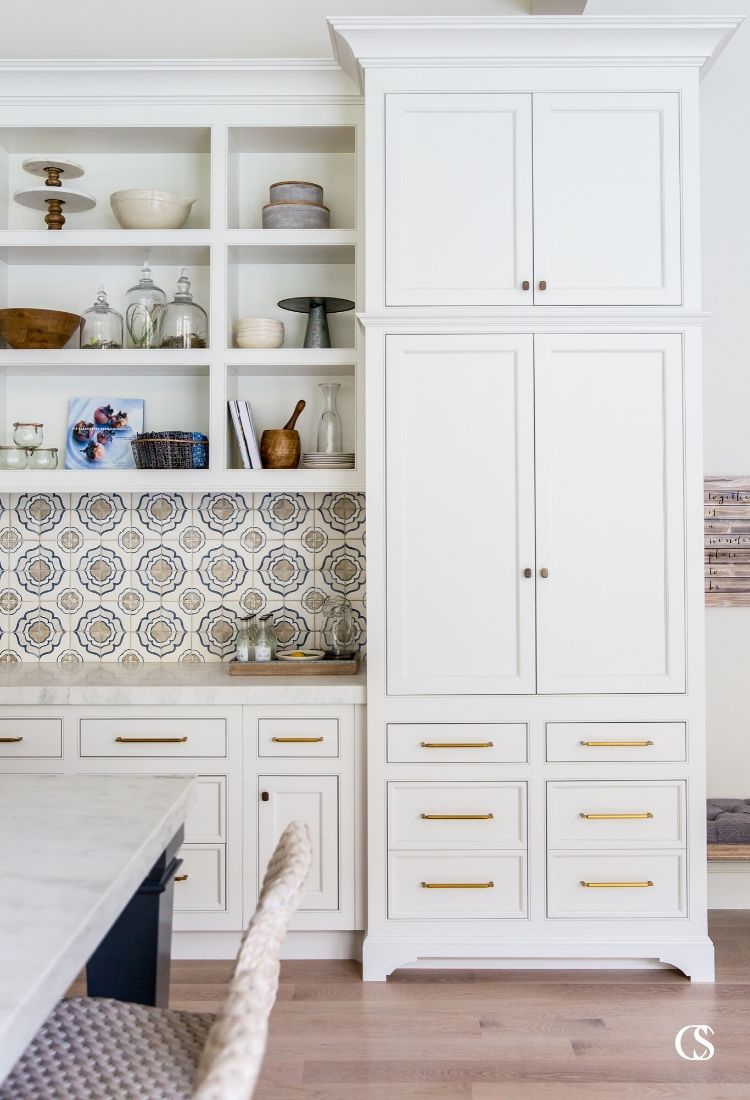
{"points": [[457, 817], [150, 740], [458, 885], [296, 740], [457, 744], [10, 740], [617, 817], [615, 885], [180, 878], [616, 744]]}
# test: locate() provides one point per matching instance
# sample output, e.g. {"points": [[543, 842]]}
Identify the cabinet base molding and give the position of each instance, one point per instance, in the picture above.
{"points": [[298, 945], [695, 957]]}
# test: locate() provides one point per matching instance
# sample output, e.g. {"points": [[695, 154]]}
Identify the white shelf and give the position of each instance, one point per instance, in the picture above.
{"points": [[115, 361], [181, 481], [294, 360], [298, 238]]}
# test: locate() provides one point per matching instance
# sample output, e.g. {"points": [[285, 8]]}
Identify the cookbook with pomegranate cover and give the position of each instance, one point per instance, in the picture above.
{"points": [[100, 430]]}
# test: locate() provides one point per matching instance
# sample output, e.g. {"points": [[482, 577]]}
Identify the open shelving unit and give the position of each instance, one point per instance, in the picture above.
{"points": [[227, 156]]}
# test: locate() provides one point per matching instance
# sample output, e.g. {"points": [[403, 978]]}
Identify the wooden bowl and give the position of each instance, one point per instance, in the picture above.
{"points": [[280, 449], [37, 328]]}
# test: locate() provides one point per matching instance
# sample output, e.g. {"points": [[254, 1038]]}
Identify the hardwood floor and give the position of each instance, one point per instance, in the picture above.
{"points": [[499, 1035]]}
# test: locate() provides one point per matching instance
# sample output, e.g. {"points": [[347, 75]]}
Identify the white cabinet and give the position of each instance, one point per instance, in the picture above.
{"points": [[460, 443], [610, 513], [458, 199], [607, 198], [587, 213]]}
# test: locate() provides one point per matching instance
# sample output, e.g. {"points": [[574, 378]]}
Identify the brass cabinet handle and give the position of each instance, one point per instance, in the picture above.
{"points": [[616, 744], [10, 740], [526, 285], [296, 740], [544, 573], [458, 885], [457, 744], [616, 817], [457, 817], [527, 573], [150, 740], [180, 878], [542, 284], [615, 885]]}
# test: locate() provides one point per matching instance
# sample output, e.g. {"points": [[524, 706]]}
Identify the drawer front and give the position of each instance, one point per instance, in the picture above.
{"points": [[207, 821], [654, 885], [616, 742], [457, 742], [145, 737], [617, 815], [29, 737], [445, 885], [298, 737], [456, 815], [200, 884]]}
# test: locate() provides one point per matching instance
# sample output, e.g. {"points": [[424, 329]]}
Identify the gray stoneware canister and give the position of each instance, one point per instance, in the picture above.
{"points": [[296, 215], [296, 191]]}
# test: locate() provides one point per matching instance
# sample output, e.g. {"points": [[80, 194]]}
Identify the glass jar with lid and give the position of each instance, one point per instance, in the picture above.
{"points": [[265, 641], [28, 435], [102, 325], [185, 323], [144, 311], [12, 458], [42, 458]]}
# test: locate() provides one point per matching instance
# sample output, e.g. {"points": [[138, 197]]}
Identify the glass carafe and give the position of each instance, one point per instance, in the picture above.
{"points": [[339, 632], [329, 428], [144, 312], [185, 323], [102, 325]]}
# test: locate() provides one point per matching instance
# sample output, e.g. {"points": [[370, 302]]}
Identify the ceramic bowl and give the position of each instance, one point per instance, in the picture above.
{"points": [[296, 215], [141, 209], [260, 339], [37, 328], [296, 191]]}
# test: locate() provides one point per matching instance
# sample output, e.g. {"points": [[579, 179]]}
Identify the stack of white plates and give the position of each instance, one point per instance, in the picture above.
{"points": [[318, 460], [259, 332]]}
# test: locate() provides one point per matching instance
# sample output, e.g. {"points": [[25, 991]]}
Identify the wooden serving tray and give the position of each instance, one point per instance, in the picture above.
{"points": [[294, 668]]}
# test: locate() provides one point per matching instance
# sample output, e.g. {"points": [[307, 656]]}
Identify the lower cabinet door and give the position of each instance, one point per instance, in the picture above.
{"points": [[461, 886], [314, 800]]}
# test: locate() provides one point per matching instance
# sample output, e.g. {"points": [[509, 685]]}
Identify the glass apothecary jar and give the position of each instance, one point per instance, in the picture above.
{"points": [[144, 312], [27, 435], [245, 645], [12, 458], [185, 323], [265, 641], [42, 458], [102, 325]]}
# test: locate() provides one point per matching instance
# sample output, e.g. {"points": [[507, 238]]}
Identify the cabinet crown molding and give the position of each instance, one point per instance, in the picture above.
{"points": [[361, 42]]}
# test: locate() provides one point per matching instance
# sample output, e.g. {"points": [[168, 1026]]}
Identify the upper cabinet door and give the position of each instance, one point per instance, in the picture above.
{"points": [[610, 514], [607, 199], [458, 200], [460, 515]]}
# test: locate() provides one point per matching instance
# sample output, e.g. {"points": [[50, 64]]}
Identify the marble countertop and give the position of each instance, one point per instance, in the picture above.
{"points": [[165, 684], [74, 850]]}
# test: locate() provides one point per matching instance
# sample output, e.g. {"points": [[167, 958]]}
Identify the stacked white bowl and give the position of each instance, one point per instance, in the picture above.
{"points": [[259, 332]]}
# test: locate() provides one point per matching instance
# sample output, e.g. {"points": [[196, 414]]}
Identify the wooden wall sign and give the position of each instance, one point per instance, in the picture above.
{"points": [[726, 541]]}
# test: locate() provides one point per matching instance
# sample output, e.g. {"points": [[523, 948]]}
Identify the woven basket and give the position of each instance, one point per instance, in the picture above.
{"points": [[170, 451]]}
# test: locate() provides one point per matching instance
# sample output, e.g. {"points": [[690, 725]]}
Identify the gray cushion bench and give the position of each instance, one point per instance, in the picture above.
{"points": [[728, 828]]}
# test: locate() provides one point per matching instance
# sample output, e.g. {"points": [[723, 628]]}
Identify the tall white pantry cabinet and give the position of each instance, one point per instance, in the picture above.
{"points": [[536, 734]]}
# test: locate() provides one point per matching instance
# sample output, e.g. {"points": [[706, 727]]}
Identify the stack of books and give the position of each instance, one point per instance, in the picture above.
{"points": [[246, 434]]}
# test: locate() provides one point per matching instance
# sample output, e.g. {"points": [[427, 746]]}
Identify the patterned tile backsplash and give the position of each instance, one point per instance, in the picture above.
{"points": [[166, 576]]}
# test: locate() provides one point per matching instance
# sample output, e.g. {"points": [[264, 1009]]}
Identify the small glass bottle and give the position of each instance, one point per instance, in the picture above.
{"points": [[265, 641], [144, 311], [102, 325], [242, 645], [28, 436], [329, 429], [185, 323]]}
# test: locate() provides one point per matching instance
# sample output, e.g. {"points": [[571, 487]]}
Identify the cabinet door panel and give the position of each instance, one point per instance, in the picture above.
{"points": [[459, 523], [458, 199], [610, 514], [313, 799], [607, 199]]}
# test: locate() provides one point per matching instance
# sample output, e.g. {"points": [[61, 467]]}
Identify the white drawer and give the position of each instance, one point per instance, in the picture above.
{"points": [[28, 737], [297, 737], [448, 886], [146, 737], [457, 742], [456, 815], [664, 897], [616, 742], [619, 815], [207, 821], [200, 884]]}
